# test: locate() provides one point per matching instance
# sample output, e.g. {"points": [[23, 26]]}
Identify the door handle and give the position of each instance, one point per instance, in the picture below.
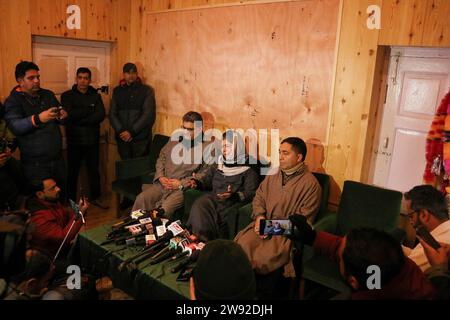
{"points": [[386, 142]]}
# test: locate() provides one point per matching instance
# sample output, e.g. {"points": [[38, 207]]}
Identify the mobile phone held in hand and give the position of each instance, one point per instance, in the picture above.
{"points": [[422, 232], [275, 227]]}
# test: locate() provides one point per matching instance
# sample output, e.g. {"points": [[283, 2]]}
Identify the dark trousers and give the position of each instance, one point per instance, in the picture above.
{"points": [[75, 156], [133, 149], [208, 217]]}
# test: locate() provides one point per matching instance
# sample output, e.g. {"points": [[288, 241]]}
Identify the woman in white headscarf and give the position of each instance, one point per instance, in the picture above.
{"points": [[230, 182]]}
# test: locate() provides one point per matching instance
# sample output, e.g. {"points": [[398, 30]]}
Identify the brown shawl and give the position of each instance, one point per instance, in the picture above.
{"points": [[300, 195]]}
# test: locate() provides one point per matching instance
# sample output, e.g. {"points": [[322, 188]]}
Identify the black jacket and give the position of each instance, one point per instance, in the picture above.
{"points": [[243, 185], [37, 142], [133, 109], [12, 185], [86, 112]]}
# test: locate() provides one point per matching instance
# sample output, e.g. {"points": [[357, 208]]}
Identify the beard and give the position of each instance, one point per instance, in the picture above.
{"points": [[52, 199]]}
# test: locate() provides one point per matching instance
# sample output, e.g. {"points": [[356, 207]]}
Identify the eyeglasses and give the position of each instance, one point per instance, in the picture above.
{"points": [[408, 215], [189, 129]]}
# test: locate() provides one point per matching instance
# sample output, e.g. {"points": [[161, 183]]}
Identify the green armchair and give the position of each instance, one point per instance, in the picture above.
{"points": [[132, 173], [361, 205]]}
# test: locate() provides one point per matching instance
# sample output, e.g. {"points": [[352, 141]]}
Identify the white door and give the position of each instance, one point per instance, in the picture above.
{"points": [[58, 60], [418, 80]]}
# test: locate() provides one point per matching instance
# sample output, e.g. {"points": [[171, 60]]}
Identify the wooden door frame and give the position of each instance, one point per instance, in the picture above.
{"points": [[377, 101], [379, 94]]}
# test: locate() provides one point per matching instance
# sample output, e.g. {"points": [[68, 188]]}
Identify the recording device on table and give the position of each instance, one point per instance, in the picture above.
{"points": [[173, 230], [275, 227], [141, 228], [423, 233]]}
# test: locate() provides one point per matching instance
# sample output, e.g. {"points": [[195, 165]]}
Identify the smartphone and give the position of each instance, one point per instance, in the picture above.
{"points": [[275, 227], [422, 232], [75, 208]]}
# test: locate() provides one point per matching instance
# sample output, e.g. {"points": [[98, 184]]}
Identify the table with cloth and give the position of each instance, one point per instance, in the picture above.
{"points": [[146, 282]]}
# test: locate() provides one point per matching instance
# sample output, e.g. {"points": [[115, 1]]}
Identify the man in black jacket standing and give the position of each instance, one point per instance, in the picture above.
{"points": [[34, 116], [86, 111], [132, 114]]}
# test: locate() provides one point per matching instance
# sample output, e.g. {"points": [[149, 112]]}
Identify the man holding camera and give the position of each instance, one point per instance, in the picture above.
{"points": [[86, 111], [51, 221], [33, 114]]}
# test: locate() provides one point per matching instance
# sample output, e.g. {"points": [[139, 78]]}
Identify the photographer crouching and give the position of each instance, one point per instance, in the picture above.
{"points": [[51, 221]]}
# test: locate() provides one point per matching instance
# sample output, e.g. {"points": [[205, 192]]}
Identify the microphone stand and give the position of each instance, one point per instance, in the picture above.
{"points": [[80, 215]]}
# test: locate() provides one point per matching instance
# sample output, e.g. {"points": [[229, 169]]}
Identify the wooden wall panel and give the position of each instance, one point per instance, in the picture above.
{"points": [[161, 5], [15, 37], [242, 63], [352, 94], [415, 23], [437, 24], [402, 22], [100, 17], [48, 18], [120, 26]]}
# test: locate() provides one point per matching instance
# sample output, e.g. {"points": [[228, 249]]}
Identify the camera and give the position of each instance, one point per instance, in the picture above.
{"points": [[5, 143], [104, 89]]}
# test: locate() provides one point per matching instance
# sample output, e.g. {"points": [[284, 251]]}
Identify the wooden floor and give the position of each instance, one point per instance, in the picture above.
{"points": [[97, 216]]}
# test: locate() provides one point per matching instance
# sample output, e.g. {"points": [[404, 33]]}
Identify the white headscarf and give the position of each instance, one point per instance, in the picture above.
{"points": [[235, 167]]}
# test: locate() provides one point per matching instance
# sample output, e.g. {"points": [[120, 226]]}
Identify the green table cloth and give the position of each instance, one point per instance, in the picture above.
{"points": [[146, 282]]}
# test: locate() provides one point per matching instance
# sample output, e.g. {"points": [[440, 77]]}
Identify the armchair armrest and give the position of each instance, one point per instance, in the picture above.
{"points": [[328, 223]]}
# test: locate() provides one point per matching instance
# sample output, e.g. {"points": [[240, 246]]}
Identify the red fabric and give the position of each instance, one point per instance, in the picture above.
{"points": [[327, 244], [409, 284], [436, 144], [50, 226]]}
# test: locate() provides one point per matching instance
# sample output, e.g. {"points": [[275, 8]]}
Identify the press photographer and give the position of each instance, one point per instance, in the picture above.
{"points": [[50, 219]]}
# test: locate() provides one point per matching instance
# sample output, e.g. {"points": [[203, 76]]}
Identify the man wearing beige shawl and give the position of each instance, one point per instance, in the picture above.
{"points": [[292, 190], [172, 178]]}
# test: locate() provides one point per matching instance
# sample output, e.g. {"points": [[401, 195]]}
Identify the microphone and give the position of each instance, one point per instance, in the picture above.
{"points": [[131, 240], [134, 215], [138, 214], [174, 248], [192, 258], [173, 230], [172, 235], [166, 255], [144, 254], [132, 228], [130, 232]]}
